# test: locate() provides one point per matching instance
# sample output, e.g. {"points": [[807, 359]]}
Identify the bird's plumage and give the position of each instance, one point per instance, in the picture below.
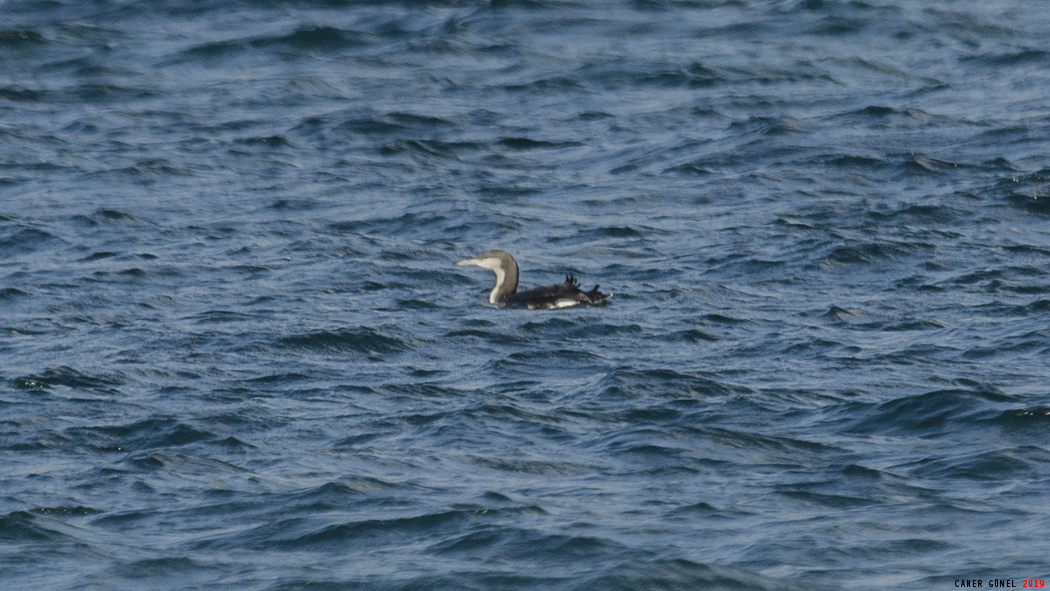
{"points": [[505, 292]]}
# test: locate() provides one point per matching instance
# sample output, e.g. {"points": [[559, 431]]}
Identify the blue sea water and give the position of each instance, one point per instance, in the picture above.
{"points": [[235, 352]]}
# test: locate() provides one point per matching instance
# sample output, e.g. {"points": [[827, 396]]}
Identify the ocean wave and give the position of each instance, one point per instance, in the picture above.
{"points": [[364, 340], [68, 377]]}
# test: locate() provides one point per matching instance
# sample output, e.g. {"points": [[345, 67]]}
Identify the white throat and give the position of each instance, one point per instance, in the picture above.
{"points": [[501, 275]]}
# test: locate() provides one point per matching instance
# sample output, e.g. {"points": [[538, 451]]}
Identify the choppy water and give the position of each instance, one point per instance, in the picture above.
{"points": [[235, 352]]}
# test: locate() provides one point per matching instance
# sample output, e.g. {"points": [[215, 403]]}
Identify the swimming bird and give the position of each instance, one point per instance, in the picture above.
{"points": [[561, 295]]}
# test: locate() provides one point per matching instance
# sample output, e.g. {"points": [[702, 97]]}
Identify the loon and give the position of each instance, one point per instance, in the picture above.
{"points": [[561, 295]]}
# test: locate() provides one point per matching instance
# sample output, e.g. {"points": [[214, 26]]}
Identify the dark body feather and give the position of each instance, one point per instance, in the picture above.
{"points": [[549, 296]]}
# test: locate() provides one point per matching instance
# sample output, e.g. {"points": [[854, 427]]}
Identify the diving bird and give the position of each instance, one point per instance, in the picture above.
{"points": [[561, 295]]}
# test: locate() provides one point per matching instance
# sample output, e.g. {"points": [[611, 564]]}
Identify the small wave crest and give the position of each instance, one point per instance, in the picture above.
{"points": [[363, 340]]}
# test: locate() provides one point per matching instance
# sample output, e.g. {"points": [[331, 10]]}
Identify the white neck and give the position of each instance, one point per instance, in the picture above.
{"points": [[501, 277]]}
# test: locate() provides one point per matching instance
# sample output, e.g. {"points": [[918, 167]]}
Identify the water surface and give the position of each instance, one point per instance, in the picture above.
{"points": [[235, 352]]}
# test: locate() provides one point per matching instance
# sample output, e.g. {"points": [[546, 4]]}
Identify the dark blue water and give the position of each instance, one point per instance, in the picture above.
{"points": [[235, 352]]}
